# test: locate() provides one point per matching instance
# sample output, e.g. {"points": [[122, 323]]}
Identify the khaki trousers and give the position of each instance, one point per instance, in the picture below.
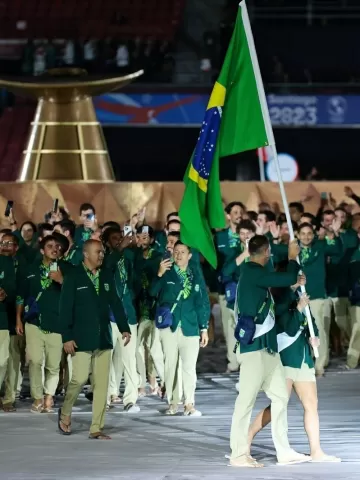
{"points": [[98, 362], [148, 342], [43, 349], [323, 323], [353, 354], [15, 368], [260, 371], [231, 342], [341, 307], [178, 348], [124, 364], [4, 353], [228, 323]]}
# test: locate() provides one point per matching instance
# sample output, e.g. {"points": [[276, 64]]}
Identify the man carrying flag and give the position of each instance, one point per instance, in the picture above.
{"points": [[236, 120]]}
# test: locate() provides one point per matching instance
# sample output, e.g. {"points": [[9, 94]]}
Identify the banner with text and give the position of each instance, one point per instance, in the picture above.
{"points": [[178, 109]]}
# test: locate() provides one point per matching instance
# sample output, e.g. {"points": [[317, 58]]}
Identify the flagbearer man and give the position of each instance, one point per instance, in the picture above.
{"points": [[88, 298], [260, 364]]}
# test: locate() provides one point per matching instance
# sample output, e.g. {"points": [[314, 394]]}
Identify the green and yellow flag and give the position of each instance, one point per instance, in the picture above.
{"points": [[236, 120]]}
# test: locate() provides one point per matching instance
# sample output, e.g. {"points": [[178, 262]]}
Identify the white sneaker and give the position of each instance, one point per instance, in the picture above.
{"points": [[131, 408]]}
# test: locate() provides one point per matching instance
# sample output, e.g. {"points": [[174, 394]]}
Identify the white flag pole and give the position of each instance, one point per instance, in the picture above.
{"points": [[260, 153], [271, 140]]}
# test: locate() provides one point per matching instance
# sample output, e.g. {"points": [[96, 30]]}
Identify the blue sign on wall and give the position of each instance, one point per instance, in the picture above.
{"points": [[188, 110]]}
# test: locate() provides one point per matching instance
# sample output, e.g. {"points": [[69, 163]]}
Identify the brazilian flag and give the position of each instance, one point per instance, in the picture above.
{"points": [[236, 120]]}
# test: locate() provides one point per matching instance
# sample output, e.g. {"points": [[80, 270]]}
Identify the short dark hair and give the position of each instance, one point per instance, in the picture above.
{"points": [[87, 206], [62, 241], [246, 225], [231, 205], [33, 226], [270, 216], [14, 238], [68, 226], [174, 234], [45, 240], [309, 215], [108, 232], [172, 214], [258, 244], [252, 215], [341, 209], [6, 231], [299, 206], [179, 242], [150, 230], [111, 223], [305, 224], [327, 212], [173, 221], [44, 226]]}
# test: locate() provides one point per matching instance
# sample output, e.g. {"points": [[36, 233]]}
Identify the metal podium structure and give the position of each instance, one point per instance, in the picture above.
{"points": [[66, 141]]}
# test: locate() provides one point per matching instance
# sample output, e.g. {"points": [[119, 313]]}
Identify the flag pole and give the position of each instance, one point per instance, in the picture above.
{"points": [[292, 236], [261, 164], [270, 136]]}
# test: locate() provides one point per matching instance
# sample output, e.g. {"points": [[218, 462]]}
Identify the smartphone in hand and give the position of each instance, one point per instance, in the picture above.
{"points": [[8, 208]]}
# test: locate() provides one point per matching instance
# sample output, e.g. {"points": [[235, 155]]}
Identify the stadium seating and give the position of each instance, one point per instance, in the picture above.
{"points": [[104, 18]]}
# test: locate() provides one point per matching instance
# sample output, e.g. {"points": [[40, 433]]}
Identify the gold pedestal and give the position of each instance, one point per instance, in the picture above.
{"points": [[66, 141]]}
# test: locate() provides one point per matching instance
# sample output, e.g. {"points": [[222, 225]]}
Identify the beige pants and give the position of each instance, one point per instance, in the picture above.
{"points": [[341, 308], [323, 323], [124, 364], [16, 364], [228, 323], [4, 353], [231, 342], [98, 362], [260, 371], [179, 352], [42, 346], [353, 354], [148, 340]]}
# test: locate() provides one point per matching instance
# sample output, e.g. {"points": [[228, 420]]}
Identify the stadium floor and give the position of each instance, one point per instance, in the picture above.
{"points": [[151, 446]]}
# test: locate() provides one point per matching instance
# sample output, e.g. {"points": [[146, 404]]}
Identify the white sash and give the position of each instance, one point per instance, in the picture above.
{"points": [[266, 326], [284, 340]]}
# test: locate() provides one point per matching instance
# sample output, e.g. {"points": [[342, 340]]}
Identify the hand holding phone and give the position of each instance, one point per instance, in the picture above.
{"points": [[54, 267], [127, 230], [8, 208], [145, 229], [56, 205]]}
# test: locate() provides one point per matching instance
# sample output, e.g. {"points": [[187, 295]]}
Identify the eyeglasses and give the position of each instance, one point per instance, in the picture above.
{"points": [[7, 244]]}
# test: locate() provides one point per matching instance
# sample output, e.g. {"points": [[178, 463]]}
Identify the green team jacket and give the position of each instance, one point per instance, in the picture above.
{"points": [[254, 282], [314, 265], [231, 271], [337, 267], [120, 264], [48, 297], [8, 283], [82, 234], [224, 253], [193, 312], [292, 328], [145, 270], [85, 315]]}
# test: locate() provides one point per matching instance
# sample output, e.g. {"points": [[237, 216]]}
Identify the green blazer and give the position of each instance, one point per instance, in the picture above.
{"points": [[192, 313], [225, 253], [254, 282], [337, 284], [48, 301], [313, 265], [82, 234], [289, 323], [8, 283], [85, 315], [145, 270], [74, 255]]}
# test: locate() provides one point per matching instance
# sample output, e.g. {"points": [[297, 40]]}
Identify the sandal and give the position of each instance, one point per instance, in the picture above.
{"points": [[36, 408], [60, 422], [47, 410], [155, 391], [8, 407], [115, 400], [99, 436]]}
